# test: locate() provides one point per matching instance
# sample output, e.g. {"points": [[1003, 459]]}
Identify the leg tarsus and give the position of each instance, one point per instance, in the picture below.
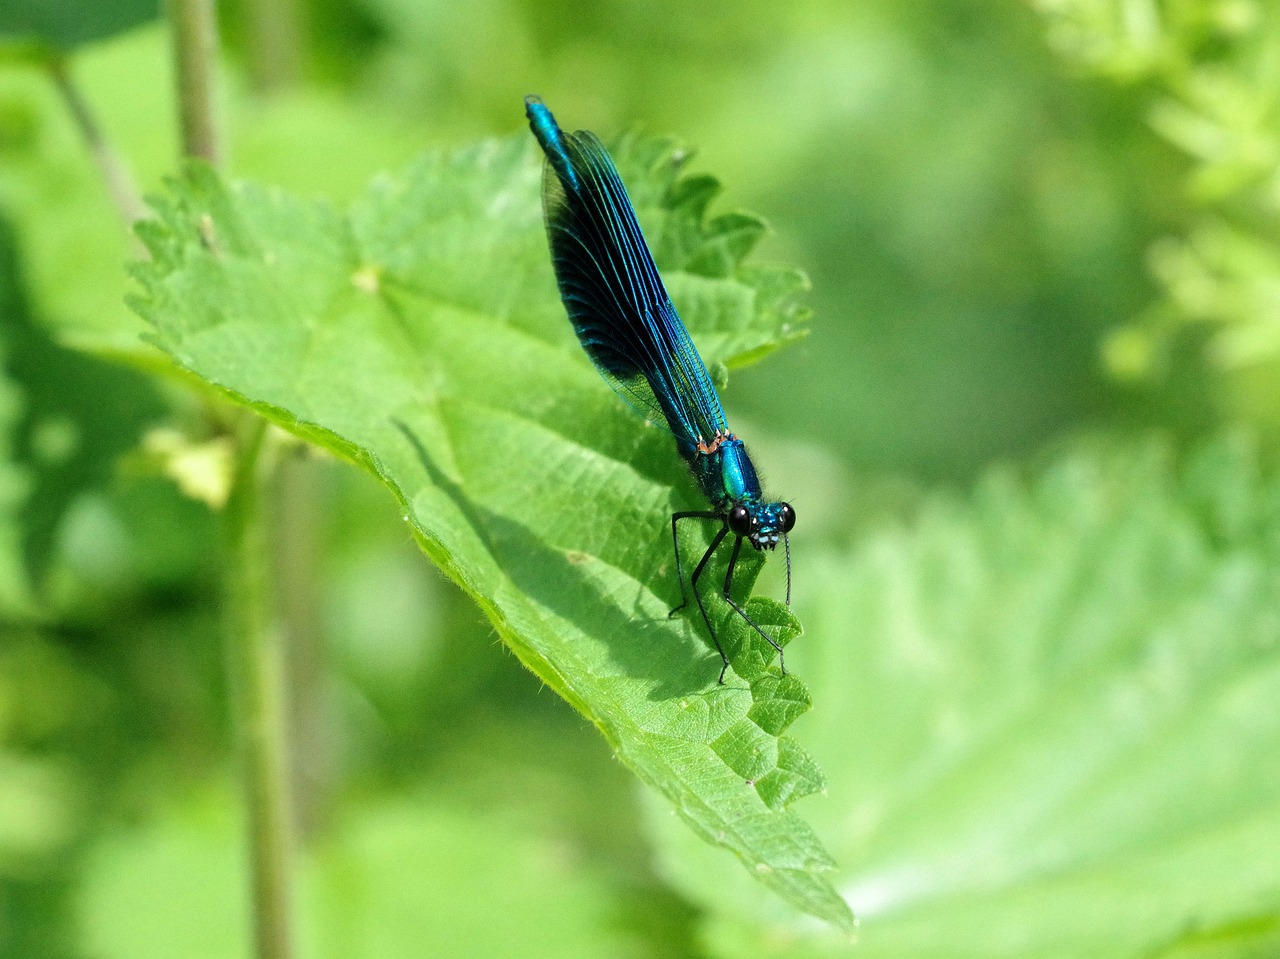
{"points": [[763, 635], [728, 598]]}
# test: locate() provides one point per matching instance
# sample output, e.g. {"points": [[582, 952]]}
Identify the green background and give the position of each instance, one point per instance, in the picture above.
{"points": [[1028, 438]]}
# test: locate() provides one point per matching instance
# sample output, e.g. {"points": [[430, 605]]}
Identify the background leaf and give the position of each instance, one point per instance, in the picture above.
{"points": [[64, 24], [79, 415], [420, 335], [14, 481], [392, 878], [1048, 716]]}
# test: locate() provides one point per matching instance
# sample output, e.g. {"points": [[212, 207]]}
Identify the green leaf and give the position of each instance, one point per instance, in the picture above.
{"points": [[64, 24], [1049, 721], [420, 335]]}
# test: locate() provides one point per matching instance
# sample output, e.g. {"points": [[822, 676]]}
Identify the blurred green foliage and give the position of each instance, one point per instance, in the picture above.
{"points": [[67, 24], [1045, 705], [1211, 76]]}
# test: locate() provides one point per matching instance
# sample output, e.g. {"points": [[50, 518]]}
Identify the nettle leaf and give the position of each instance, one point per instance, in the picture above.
{"points": [[1049, 715], [420, 334]]}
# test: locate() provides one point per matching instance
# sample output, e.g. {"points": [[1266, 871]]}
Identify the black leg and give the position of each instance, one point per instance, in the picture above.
{"points": [[675, 542], [728, 583], [728, 598], [697, 597], [697, 574]]}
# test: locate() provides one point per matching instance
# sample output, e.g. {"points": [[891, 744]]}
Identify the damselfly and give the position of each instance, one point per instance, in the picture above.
{"points": [[626, 323]]}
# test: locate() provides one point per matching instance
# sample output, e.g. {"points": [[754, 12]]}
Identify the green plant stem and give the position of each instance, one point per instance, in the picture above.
{"points": [[256, 667], [195, 45], [254, 651], [297, 540], [120, 185]]}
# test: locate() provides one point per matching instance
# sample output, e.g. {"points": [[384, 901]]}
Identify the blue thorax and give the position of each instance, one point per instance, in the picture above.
{"points": [[728, 479]]}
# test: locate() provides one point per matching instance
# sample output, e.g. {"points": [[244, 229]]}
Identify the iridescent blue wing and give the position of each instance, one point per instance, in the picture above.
{"points": [[611, 288]]}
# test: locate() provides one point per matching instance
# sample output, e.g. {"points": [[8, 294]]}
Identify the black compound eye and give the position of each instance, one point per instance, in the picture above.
{"points": [[786, 517], [740, 519]]}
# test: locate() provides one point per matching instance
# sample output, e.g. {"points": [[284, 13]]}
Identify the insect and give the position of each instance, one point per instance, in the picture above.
{"points": [[628, 326]]}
